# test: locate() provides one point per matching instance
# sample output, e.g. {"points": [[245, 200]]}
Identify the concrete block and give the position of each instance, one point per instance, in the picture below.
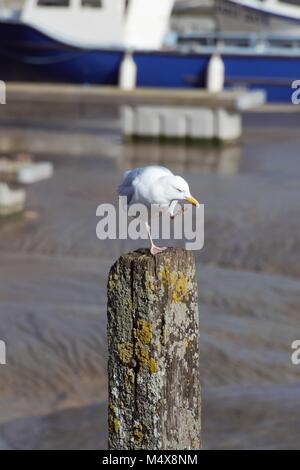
{"points": [[11, 201], [127, 119], [24, 172], [250, 100], [148, 121], [228, 125], [174, 123], [35, 172], [201, 124], [181, 122]]}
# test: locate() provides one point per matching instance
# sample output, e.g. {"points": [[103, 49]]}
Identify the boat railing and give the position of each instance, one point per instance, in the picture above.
{"points": [[235, 42]]}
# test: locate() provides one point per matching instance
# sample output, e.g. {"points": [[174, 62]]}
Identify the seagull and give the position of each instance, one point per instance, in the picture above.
{"points": [[158, 186]]}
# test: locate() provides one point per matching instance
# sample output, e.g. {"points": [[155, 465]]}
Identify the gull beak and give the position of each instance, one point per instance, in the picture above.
{"points": [[192, 200]]}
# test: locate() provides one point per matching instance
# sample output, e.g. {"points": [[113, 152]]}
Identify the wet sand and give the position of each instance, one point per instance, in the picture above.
{"points": [[53, 281]]}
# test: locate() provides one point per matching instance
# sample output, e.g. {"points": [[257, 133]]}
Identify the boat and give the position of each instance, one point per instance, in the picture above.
{"points": [[85, 42], [78, 41]]}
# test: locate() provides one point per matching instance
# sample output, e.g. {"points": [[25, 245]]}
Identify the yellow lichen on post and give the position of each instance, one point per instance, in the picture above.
{"points": [[113, 423], [137, 433], [143, 332], [125, 352], [143, 335], [153, 367], [112, 281], [180, 288], [177, 282]]}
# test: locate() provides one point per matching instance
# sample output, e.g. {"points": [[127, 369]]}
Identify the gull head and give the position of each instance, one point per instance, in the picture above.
{"points": [[177, 189]]}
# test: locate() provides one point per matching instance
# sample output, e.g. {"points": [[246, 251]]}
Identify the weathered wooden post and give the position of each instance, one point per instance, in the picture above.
{"points": [[153, 341]]}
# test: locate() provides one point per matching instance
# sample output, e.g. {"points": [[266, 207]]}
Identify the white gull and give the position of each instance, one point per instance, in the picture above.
{"points": [[155, 186]]}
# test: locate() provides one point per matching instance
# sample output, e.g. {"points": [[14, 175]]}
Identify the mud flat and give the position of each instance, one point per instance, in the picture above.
{"points": [[53, 302]]}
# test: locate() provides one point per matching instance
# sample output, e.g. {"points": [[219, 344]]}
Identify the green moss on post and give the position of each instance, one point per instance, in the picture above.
{"points": [[153, 341]]}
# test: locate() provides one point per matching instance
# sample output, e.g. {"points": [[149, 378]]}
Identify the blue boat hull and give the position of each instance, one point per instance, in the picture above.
{"points": [[28, 55]]}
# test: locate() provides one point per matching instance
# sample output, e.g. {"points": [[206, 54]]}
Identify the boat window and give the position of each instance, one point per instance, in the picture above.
{"points": [[53, 3], [91, 3]]}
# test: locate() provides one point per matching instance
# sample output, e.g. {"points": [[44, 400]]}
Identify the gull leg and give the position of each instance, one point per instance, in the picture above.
{"points": [[154, 250]]}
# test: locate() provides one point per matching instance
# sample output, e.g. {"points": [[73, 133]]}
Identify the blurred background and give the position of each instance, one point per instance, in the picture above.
{"points": [[60, 160]]}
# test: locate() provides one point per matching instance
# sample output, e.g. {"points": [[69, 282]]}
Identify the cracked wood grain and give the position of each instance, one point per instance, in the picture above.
{"points": [[153, 342]]}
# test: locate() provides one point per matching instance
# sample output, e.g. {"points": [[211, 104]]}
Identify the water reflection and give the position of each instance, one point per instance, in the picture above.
{"points": [[224, 160]]}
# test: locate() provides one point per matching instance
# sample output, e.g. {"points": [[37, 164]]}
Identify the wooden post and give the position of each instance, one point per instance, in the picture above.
{"points": [[153, 341]]}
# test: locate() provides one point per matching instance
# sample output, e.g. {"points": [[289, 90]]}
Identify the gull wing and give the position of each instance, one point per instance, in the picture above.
{"points": [[127, 187], [132, 177]]}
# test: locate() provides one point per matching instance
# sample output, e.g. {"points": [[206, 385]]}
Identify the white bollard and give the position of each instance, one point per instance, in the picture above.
{"points": [[128, 72], [215, 77]]}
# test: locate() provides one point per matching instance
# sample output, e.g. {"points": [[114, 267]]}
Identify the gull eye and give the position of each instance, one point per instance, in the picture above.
{"points": [[180, 190]]}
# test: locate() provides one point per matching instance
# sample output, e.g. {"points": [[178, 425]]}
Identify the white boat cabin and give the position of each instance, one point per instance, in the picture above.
{"points": [[137, 24]]}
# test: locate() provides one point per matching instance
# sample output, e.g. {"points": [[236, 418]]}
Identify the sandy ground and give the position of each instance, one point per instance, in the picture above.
{"points": [[53, 280]]}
